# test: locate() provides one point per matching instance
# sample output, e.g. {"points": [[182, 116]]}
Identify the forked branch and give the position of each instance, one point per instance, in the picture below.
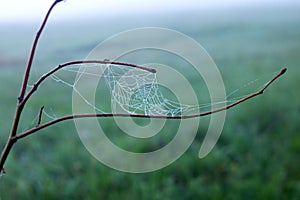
{"points": [[68, 117], [19, 108], [23, 97], [32, 53], [79, 62]]}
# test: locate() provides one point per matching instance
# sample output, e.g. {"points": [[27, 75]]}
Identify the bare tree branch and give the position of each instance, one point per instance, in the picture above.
{"points": [[32, 53], [68, 117], [40, 115], [23, 97], [78, 62], [19, 108]]}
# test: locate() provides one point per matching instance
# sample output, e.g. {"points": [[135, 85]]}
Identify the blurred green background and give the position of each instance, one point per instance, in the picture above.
{"points": [[256, 157]]}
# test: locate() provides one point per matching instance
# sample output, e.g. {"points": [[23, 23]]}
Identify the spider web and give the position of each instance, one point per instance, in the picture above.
{"points": [[132, 90], [137, 91]]}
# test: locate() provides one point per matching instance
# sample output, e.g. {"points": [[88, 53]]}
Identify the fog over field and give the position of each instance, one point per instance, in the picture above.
{"points": [[257, 154], [32, 10]]}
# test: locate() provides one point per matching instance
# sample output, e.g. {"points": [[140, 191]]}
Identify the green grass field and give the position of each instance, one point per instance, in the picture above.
{"points": [[256, 157]]}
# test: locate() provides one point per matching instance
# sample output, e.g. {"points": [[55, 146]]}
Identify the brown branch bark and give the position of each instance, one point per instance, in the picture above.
{"points": [[32, 52], [23, 97], [68, 117], [78, 62], [19, 108]]}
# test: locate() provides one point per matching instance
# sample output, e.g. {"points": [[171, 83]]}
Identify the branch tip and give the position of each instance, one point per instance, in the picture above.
{"points": [[153, 71], [3, 171]]}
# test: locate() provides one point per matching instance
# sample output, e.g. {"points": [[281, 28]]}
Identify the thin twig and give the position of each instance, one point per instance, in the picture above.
{"points": [[32, 53], [40, 115], [68, 117], [19, 108], [78, 62]]}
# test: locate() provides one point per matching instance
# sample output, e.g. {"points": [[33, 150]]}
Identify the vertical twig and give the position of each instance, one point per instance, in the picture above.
{"points": [[20, 105], [40, 116], [32, 53]]}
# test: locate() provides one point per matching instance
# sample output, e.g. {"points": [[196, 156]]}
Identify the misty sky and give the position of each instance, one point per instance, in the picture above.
{"points": [[26, 10]]}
